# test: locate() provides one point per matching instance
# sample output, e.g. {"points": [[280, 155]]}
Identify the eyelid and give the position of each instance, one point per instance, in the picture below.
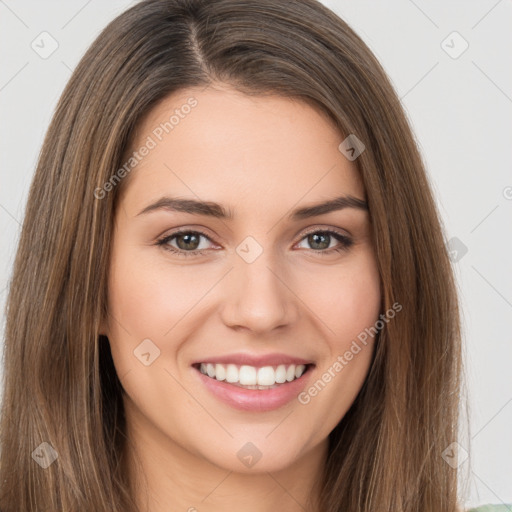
{"points": [[314, 229], [187, 229]]}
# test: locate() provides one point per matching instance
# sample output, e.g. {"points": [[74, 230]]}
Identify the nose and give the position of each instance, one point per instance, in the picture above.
{"points": [[257, 295]]}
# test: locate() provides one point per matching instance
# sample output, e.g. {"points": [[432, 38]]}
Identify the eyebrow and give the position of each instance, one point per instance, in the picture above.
{"points": [[212, 209]]}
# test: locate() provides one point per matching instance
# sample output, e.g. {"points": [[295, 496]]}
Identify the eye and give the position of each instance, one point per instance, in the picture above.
{"points": [[186, 240], [320, 240], [189, 242]]}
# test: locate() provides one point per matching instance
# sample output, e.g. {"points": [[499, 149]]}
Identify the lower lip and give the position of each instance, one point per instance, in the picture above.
{"points": [[256, 400]]}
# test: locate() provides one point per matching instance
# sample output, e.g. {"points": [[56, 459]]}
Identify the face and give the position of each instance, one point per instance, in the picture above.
{"points": [[258, 284]]}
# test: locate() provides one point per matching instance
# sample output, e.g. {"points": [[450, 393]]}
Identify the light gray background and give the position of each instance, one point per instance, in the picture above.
{"points": [[461, 111]]}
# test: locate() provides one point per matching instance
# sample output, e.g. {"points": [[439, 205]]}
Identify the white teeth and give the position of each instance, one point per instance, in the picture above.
{"points": [[251, 376], [220, 372], [266, 376], [231, 373], [247, 375], [281, 374]]}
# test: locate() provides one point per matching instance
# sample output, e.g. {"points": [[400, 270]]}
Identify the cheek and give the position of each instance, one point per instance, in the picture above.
{"points": [[358, 302], [349, 308], [346, 299], [148, 297]]}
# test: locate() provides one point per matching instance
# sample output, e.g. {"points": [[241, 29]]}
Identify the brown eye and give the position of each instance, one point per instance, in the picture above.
{"points": [[187, 242], [319, 241]]}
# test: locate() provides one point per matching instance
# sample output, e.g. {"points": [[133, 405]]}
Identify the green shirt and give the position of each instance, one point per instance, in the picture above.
{"points": [[492, 508]]}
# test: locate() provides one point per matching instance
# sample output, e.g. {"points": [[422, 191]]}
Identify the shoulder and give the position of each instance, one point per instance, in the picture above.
{"points": [[492, 508]]}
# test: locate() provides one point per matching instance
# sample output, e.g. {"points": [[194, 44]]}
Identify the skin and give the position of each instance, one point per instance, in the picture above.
{"points": [[261, 157]]}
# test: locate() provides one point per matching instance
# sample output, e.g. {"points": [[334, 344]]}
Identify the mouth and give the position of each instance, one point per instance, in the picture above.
{"points": [[251, 388], [253, 377]]}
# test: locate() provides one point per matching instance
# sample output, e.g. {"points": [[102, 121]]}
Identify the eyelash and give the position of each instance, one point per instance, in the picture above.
{"points": [[345, 242]]}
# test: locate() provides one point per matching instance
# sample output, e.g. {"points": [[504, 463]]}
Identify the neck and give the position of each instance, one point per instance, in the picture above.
{"points": [[166, 475]]}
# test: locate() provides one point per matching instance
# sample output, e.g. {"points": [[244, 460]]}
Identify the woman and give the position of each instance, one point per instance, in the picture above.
{"points": [[231, 289]]}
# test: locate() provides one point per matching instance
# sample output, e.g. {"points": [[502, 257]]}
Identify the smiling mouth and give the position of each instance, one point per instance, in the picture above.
{"points": [[252, 377]]}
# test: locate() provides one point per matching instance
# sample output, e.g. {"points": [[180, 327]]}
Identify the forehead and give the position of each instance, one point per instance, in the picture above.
{"points": [[218, 143]]}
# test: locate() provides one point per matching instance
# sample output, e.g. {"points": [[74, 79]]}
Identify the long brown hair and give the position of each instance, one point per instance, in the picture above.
{"points": [[60, 384]]}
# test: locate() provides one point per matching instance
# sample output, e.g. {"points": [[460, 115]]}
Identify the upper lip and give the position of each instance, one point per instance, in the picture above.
{"points": [[255, 360]]}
